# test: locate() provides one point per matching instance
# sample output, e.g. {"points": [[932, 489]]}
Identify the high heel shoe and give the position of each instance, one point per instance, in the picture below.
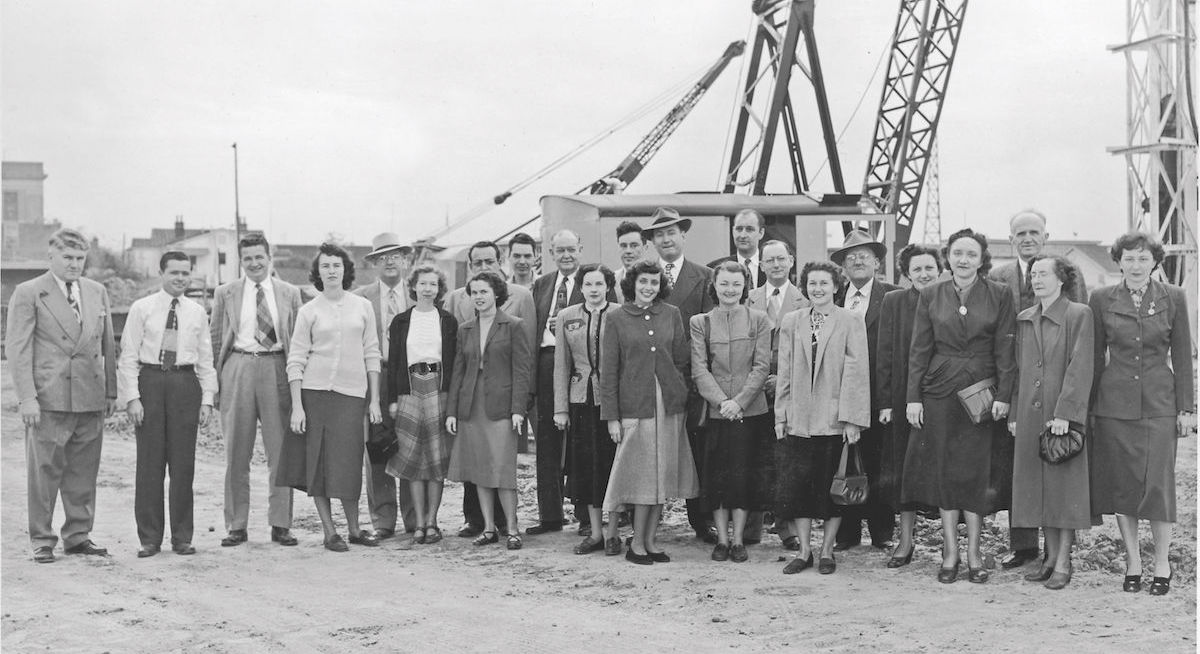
{"points": [[948, 575], [1041, 574], [901, 561], [1059, 580], [1133, 584], [1161, 585]]}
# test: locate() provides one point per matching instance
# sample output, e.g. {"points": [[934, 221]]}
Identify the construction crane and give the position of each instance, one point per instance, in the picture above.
{"points": [[933, 201]]}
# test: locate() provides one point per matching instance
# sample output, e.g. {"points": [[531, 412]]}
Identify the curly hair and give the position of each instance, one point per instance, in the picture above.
{"points": [[1137, 240], [985, 257], [423, 269], [610, 278], [499, 286], [630, 227], [913, 250], [629, 281], [835, 271], [733, 267], [1066, 272], [332, 250]]}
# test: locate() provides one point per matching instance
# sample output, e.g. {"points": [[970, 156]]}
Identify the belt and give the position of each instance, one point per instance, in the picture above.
{"points": [[546, 348], [268, 353], [424, 368], [158, 366]]}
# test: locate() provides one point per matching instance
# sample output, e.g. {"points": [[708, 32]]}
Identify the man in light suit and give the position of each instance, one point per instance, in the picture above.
{"points": [[252, 322], [748, 230], [389, 297], [1027, 233], [689, 284], [61, 352], [860, 255]]}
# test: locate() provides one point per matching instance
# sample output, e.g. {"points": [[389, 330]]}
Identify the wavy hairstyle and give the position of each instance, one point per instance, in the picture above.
{"points": [[835, 271], [499, 286], [610, 278], [1066, 272], [332, 250], [423, 269], [732, 267], [1137, 240], [913, 250], [629, 281], [985, 257]]}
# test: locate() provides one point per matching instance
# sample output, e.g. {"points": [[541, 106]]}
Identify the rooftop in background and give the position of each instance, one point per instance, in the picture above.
{"points": [[31, 170]]}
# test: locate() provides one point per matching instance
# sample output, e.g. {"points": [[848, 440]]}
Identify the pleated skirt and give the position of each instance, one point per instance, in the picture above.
{"points": [[653, 462]]}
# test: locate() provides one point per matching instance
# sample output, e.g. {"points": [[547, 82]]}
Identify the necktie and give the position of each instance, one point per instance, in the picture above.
{"points": [[170, 340], [1027, 297], [773, 307], [560, 298], [389, 313], [74, 302], [670, 270], [750, 269], [265, 331], [856, 300]]}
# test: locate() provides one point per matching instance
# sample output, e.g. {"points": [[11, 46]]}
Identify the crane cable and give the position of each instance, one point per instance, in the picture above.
{"points": [[837, 141]]}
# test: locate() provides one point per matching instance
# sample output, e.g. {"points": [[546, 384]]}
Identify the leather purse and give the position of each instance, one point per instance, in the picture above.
{"points": [[382, 443], [1055, 449], [977, 400], [849, 488]]}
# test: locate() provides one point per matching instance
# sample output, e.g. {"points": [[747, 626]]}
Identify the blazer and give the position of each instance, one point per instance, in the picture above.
{"points": [[760, 278], [690, 294], [372, 292], [1055, 350], [890, 382], [227, 313], [66, 364], [793, 300], [731, 358], [506, 364], [839, 393], [871, 319], [1010, 275], [519, 305], [574, 371], [1147, 372], [397, 363], [543, 297], [638, 347]]}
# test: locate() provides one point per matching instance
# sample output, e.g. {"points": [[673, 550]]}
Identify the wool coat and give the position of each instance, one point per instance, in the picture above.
{"points": [[637, 347], [731, 357]]}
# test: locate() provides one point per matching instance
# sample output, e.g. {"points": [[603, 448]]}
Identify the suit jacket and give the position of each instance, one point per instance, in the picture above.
{"points": [[821, 404], [372, 292], [731, 358], [67, 365], [573, 369], [397, 363], [506, 370], [690, 294], [1134, 380], [871, 319], [519, 305], [760, 278], [793, 300], [1010, 275], [227, 313], [543, 297], [638, 347]]}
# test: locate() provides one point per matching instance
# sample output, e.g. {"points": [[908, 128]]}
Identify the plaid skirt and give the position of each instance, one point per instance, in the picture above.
{"points": [[425, 445]]}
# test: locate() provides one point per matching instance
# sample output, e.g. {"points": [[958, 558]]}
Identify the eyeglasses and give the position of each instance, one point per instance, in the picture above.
{"points": [[860, 256], [394, 256]]}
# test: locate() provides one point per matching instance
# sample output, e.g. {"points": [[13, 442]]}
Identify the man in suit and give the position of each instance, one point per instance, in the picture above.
{"points": [[166, 382], [1027, 233], [860, 256], [485, 256], [631, 243], [522, 258], [61, 352], [389, 297], [689, 283], [749, 227], [252, 322]]}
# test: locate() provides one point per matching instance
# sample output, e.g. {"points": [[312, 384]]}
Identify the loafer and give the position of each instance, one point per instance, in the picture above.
{"points": [[720, 552], [738, 554], [469, 531], [383, 533], [1058, 580], [639, 559], [281, 535], [792, 543], [948, 575], [827, 566], [1040, 575], [977, 575], [588, 546], [43, 554], [901, 561], [234, 538], [1133, 584], [1161, 585], [364, 538], [543, 528], [183, 549], [148, 551], [86, 547], [1018, 558], [612, 546], [798, 565], [659, 557], [335, 544]]}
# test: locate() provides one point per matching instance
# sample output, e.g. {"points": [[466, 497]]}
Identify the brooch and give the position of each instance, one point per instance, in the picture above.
{"points": [[1151, 310], [962, 310]]}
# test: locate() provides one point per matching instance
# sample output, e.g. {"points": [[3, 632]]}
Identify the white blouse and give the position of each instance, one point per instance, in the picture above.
{"points": [[424, 337]]}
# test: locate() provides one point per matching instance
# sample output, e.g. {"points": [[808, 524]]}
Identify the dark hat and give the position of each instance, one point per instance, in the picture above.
{"points": [[385, 243], [855, 239], [665, 217]]}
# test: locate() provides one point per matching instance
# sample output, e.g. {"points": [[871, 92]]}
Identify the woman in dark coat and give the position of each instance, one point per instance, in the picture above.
{"points": [[1055, 349], [964, 333], [921, 265], [1143, 398]]}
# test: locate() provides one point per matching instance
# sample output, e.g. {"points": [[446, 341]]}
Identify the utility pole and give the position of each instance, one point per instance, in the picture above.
{"points": [[237, 214]]}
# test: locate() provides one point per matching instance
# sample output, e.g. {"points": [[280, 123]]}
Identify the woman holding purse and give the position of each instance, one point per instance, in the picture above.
{"points": [[822, 403]]}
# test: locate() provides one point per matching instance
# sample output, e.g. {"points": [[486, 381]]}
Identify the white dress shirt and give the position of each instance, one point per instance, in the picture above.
{"points": [[248, 322], [753, 267], [141, 343], [547, 334], [62, 286], [385, 322], [851, 294]]}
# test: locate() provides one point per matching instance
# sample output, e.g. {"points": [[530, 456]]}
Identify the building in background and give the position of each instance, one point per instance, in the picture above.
{"points": [[1093, 260], [213, 252]]}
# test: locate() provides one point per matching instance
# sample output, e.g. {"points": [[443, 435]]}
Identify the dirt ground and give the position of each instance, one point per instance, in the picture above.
{"points": [[264, 598]]}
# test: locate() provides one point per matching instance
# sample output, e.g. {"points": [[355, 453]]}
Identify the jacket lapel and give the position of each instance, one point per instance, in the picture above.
{"points": [[283, 310], [501, 317], [90, 311], [823, 337], [685, 281], [804, 336], [235, 306], [54, 300]]}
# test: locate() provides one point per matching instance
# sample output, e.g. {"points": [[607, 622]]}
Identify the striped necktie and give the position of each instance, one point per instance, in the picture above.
{"points": [[168, 350], [74, 302], [264, 333]]}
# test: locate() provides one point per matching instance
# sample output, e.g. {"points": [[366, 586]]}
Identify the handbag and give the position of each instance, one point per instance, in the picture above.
{"points": [[382, 443], [977, 400], [697, 406], [1055, 449], [849, 488]]}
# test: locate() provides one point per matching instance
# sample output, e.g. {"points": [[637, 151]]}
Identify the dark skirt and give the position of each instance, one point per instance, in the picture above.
{"points": [[1133, 468], [891, 463], [591, 451], [804, 470], [954, 464], [327, 459], [485, 450], [739, 464], [424, 452]]}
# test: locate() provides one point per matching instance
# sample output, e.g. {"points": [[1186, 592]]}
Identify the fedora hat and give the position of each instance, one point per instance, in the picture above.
{"points": [[665, 217], [385, 243], [855, 239]]}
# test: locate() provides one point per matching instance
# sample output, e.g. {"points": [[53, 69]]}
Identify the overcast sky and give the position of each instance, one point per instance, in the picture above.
{"points": [[359, 117]]}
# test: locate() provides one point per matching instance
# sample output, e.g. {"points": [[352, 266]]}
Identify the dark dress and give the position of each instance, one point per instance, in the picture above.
{"points": [[951, 463], [591, 450], [891, 384]]}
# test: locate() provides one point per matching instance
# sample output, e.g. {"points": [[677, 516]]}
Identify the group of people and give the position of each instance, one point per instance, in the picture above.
{"points": [[727, 385]]}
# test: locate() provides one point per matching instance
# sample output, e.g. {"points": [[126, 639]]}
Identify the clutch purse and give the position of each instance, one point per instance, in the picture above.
{"points": [[977, 399], [849, 488], [697, 412], [382, 443], [1055, 449]]}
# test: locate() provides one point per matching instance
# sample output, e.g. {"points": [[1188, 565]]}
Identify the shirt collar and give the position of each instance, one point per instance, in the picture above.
{"points": [[267, 285], [865, 290], [62, 284], [384, 288]]}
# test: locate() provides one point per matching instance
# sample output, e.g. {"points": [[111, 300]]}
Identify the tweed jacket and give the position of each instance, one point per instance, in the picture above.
{"points": [[574, 371], [397, 363], [638, 347], [731, 358], [66, 364], [839, 392], [227, 314], [1011, 273], [506, 363], [1147, 372]]}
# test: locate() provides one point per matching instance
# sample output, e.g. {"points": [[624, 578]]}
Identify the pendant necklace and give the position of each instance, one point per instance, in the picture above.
{"points": [[962, 310]]}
